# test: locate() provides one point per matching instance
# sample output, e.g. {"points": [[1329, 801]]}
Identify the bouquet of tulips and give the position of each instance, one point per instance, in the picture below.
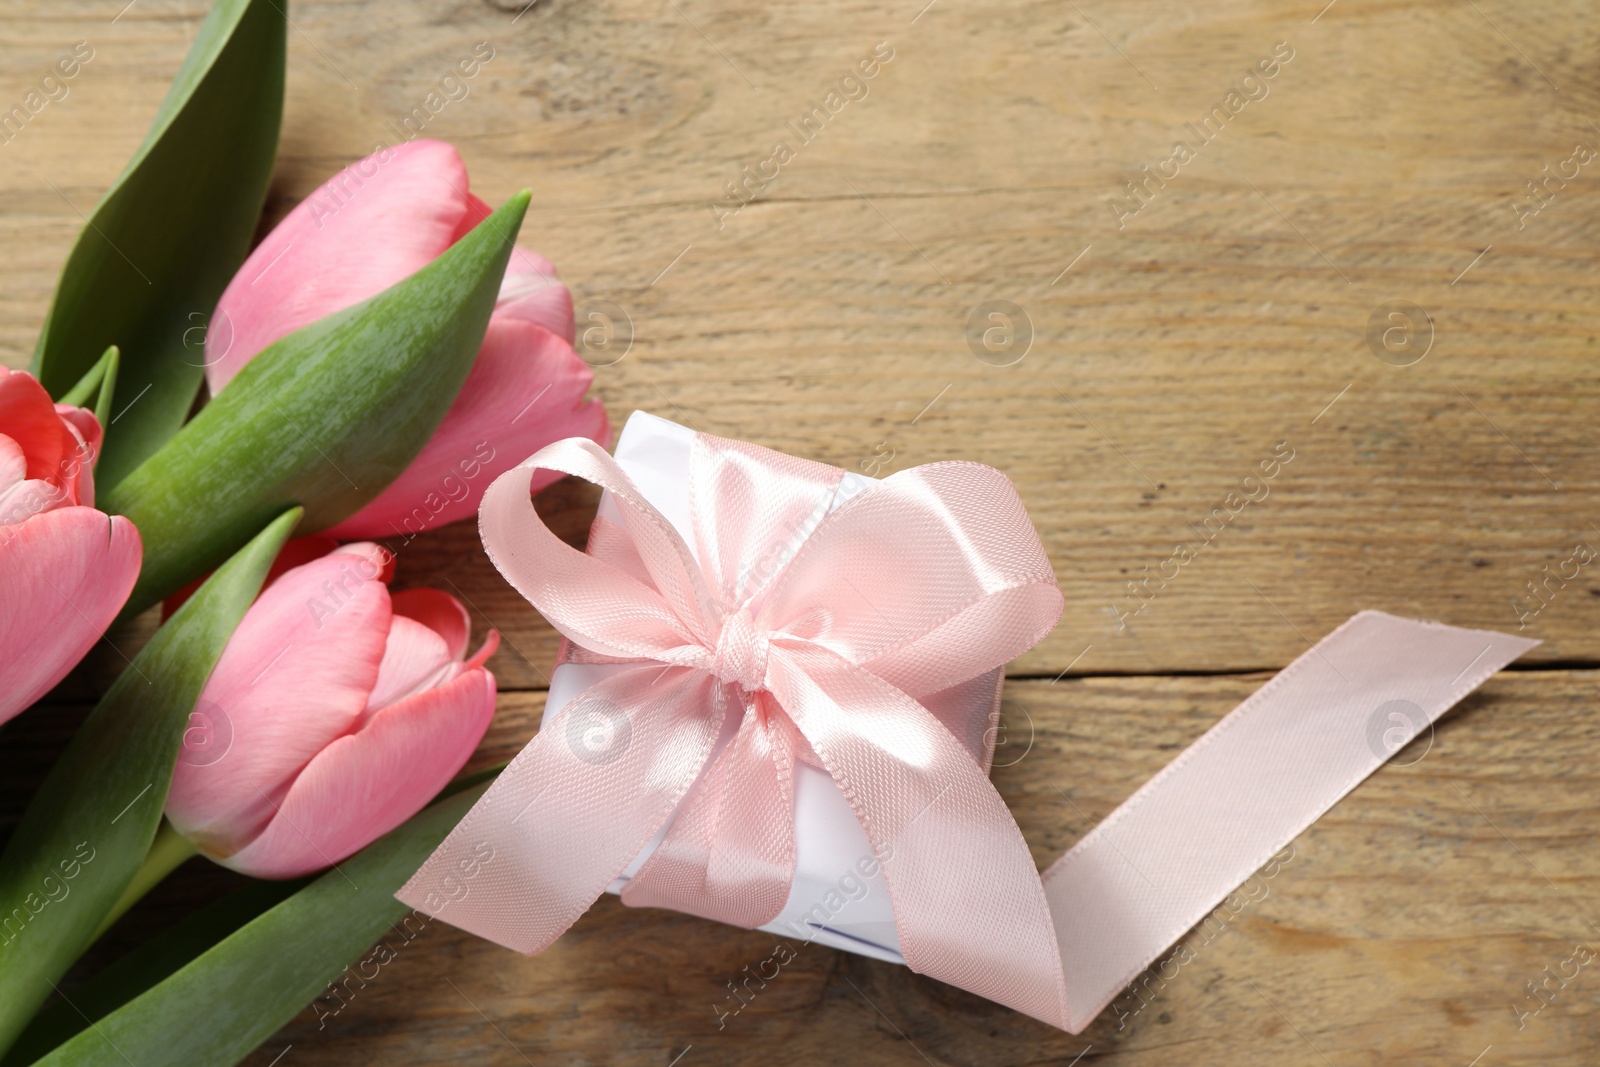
{"points": [[220, 433]]}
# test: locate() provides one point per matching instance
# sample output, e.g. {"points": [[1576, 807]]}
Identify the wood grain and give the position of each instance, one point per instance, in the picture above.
{"points": [[1165, 365], [1170, 355], [1402, 929]]}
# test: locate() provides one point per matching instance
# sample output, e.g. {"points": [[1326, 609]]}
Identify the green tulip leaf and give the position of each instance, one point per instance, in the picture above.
{"points": [[112, 362], [324, 418], [89, 827], [161, 246], [95, 389], [118, 983], [227, 1001]]}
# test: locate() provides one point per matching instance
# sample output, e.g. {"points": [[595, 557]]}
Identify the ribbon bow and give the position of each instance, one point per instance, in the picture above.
{"points": [[790, 632], [820, 635]]}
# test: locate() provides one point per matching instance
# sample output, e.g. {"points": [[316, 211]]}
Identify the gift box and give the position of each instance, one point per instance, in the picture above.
{"points": [[775, 707], [838, 897]]}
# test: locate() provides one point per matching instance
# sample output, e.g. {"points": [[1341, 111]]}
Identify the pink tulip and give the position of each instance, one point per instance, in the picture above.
{"points": [[65, 568], [336, 712], [375, 223]]}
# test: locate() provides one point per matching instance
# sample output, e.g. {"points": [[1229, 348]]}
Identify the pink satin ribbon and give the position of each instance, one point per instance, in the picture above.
{"points": [[931, 578]]}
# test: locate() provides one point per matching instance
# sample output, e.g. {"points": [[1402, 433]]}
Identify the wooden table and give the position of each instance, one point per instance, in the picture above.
{"points": [[1162, 346]]}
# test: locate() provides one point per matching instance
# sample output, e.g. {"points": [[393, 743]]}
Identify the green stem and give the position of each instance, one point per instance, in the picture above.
{"points": [[167, 853]]}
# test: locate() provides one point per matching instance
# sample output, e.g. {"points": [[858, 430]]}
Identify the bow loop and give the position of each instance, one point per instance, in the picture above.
{"points": [[595, 604], [930, 578], [752, 510]]}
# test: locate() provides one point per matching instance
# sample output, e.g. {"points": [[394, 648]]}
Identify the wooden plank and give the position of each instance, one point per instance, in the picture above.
{"points": [[1170, 355], [1401, 930], [829, 317]]}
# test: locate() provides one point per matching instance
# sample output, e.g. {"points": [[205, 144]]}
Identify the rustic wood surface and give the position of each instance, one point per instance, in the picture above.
{"points": [[1159, 359], [1403, 928]]}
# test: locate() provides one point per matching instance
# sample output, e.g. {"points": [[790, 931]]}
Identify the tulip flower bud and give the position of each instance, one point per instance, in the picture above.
{"points": [[374, 223], [336, 712], [65, 568]]}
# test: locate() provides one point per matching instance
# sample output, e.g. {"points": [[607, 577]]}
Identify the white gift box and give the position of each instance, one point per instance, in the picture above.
{"points": [[838, 897]]}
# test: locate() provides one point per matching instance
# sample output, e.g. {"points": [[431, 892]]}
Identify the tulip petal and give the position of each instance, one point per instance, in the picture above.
{"points": [[415, 658], [300, 550], [524, 392], [29, 418], [78, 473], [294, 677], [64, 575], [491, 644], [29, 497], [82, 420], [478, 209], [13, 464], [375, 223], [531, 292], [365, 784], [440, 612]]}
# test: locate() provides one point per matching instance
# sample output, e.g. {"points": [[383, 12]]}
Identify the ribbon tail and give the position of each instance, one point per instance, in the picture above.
{"points": [[573, 808], [730, 854], [968, 905], [1198, 830]]}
